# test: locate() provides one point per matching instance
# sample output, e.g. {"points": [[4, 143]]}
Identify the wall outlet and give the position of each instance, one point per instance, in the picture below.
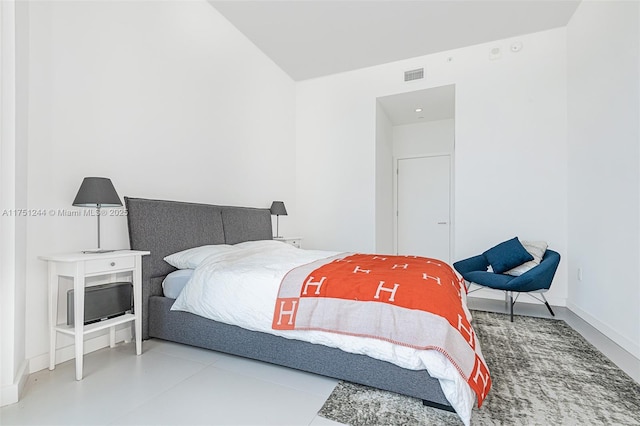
{"points": [[516, 47], [579, 274]]}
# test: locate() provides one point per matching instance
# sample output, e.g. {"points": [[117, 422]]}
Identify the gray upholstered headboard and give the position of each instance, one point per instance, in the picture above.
{"points": [[165, 227]]}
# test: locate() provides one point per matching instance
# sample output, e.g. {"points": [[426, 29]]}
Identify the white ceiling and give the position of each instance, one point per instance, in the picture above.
{"points": [[437, 103], [314, 38]]}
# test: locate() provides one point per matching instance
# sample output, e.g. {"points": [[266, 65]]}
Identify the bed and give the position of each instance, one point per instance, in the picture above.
{"points": [[167, 227]]}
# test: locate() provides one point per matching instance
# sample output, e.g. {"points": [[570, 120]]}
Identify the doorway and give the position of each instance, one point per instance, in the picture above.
{"points": [[423, 206], [415, 128]]}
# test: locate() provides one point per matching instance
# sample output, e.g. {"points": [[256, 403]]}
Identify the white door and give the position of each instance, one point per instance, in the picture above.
{"points": [[423, 206]]}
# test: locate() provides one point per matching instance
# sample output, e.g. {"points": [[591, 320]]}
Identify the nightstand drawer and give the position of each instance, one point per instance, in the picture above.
{"points": [[106, 265]]}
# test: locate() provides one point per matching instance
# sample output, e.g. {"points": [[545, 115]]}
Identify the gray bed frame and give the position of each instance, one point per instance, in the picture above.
{"points": [[165, 227]]}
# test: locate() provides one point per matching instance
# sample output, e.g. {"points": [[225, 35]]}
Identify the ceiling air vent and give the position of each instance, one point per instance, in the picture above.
{"points": [[414, 74]]}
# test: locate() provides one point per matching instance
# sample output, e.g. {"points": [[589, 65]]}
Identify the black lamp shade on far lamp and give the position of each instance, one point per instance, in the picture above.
{"points": [[278, 209], [97, 192]]}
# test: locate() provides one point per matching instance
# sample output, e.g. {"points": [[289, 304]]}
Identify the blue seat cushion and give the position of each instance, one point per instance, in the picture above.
{"points": [[489, 279], [507, 255]]}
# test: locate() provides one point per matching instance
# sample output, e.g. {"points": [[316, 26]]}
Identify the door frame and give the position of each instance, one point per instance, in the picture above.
{"points": [[396, 160]]}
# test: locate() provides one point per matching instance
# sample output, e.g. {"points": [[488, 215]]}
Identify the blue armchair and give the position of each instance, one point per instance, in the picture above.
{"points": [[536, 280]]}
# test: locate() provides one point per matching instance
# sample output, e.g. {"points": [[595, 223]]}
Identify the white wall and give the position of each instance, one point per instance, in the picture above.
{"points": [[13, 183], [604, 162], [510, 160], [431, 137], [384, 181], [167, 99]]}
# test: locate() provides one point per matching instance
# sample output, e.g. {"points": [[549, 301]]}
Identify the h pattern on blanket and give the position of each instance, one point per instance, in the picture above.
{"points": [[407, 300]]}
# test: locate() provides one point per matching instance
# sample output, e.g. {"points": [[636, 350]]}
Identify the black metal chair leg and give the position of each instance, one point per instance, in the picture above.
{"points": [[511, 300], [549, 308], [547, 305]]}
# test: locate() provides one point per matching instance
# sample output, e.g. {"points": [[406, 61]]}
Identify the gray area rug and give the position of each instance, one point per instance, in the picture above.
{"points": [[543, 372]]}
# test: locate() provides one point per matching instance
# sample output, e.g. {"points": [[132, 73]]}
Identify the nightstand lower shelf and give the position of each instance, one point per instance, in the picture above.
{"points": [[110, 323], [96, 326]]}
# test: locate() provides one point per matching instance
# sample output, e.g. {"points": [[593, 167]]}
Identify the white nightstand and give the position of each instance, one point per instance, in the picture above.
{"points": [[79, 266], [294, 241]]}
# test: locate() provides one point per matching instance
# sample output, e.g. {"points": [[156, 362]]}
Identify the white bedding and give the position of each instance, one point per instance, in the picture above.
{"points": [[240, 287]]}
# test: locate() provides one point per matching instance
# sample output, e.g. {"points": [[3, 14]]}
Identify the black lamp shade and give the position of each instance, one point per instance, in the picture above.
{"points": [[278, 209], [97, 191]]}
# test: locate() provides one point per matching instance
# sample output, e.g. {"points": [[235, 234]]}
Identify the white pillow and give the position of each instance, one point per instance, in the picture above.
{"points": [[261, 244], [191, 258], [173, 283], [535, 249]]}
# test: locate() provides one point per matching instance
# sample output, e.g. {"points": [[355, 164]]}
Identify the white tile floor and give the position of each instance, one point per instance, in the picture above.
{"points": [[171, 384]]}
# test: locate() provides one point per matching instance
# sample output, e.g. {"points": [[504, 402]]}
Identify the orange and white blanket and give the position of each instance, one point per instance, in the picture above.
{"points": [[406, 300]]}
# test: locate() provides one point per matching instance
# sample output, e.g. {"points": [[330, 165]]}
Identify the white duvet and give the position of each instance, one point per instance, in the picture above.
{"points": [[240, 287]]}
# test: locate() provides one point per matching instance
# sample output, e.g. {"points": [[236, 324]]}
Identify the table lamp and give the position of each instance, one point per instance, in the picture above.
{"points": [[97, 192], [278, 209]]}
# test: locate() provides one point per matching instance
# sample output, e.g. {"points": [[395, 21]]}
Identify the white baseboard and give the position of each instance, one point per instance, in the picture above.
{"points": [[628, 345], [66, 353], [488, 293], [11, 394]]}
